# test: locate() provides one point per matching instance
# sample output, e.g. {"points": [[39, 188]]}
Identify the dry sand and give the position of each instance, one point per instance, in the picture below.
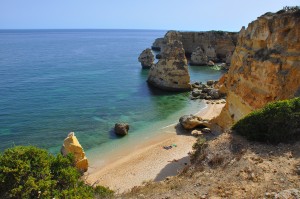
{"points": [[151, 161]]}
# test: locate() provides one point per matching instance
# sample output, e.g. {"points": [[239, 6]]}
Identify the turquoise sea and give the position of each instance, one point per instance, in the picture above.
{"points": [[56, 81]]}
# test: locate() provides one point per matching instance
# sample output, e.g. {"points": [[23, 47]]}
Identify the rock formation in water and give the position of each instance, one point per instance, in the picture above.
{"points": [[265, 65], [198, 57], [216, 45], [71, 145], [146, 58], [171, 71], [121, 129], [156, 46]]}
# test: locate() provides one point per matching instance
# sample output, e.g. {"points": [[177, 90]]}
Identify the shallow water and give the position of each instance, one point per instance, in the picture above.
{"points": [[56, 81]]}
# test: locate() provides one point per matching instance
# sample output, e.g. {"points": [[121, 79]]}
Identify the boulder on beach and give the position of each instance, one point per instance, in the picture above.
{"points": [[192, 121], [196, 133], [214, 93], [121, 129], [71, 145], [210, 82]]}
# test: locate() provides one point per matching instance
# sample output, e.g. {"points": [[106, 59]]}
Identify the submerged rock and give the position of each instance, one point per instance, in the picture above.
{"points": [[71, 145], [121, 129], [146, 58]]}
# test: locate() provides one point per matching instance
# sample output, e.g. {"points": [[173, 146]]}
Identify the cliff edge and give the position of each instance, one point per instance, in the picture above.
{"points": [[265, 65]]}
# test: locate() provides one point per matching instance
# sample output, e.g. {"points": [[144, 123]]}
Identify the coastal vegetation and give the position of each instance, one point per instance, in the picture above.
{"points": [[276, 122], [289, 8], [31, 172]]}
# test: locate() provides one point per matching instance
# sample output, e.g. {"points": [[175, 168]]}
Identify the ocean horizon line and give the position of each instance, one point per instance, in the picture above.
{"points": [[45, 29]]}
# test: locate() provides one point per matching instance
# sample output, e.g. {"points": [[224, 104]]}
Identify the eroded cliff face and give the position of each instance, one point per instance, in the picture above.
{"points": [[171, 71], [216, 45], [265, 66]]}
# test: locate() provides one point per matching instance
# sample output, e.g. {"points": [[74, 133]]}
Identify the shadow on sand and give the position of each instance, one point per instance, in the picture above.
{"points": [[172, 168]]}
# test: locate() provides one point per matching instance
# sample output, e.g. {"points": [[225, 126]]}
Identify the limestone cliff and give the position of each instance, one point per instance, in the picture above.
{"points": [[171, 71], [71, 145], [216, 45], [265, 65]]}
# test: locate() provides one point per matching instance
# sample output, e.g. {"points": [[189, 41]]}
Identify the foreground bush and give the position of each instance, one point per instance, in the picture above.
{"points": [[276, 122], [30, 172]]}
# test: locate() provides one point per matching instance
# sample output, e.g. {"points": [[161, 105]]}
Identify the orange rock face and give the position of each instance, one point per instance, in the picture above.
{"points": [[71, 145], [265, 66]]}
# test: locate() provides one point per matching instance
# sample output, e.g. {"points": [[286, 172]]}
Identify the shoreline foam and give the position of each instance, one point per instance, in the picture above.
{"points": [[148, 160]]}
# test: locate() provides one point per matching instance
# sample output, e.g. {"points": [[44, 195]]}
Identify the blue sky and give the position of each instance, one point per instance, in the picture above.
{"points": [[202, 15]]}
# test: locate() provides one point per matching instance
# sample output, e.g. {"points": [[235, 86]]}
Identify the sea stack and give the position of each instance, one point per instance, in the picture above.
{"points": [[71, 145], [265, 65], [171, 72], [146, 58], [198, 57]]}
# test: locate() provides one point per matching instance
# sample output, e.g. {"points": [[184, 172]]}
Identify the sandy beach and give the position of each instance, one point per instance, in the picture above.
{"points": [[151, 161]]}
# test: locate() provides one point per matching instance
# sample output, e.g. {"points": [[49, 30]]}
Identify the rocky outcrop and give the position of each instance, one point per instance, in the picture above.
{"points": [[171, 71], [228, 58], [216, 45], [121, 129], [71, 145], [265, 65], [192, 121], [156, 46], [198, 57], [146, 58], [288, 193], [206, 91]]}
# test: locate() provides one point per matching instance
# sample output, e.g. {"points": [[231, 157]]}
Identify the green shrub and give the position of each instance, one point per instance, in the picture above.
{"points": [[30, 172], [103, 192], [199, 150], [276, 122]]}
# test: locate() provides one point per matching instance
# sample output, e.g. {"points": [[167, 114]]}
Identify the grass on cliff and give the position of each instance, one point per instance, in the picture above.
{"points": [[276, 122], [30, 172]]}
